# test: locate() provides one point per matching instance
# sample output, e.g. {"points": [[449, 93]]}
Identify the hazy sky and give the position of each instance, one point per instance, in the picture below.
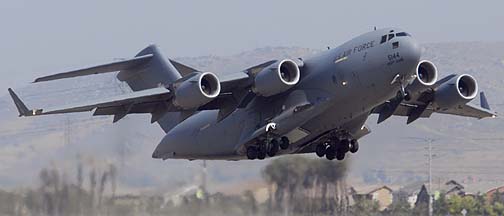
{"points": [[41, 37]]}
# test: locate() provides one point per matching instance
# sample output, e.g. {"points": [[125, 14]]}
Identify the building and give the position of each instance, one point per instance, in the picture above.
{"points": [[452, 187], [495, 193], [383, 195], [420, 190]]}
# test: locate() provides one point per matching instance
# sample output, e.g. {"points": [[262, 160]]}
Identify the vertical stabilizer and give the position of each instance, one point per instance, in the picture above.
{"points": [[157, 72]]}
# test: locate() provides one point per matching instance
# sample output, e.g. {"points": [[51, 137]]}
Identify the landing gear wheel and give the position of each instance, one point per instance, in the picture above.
{"points": [[340, 155], [262, 152], [354, 146], [252, 152], [284, 143], [330, 153], [274, 147], [320, 150], [344, 146]]}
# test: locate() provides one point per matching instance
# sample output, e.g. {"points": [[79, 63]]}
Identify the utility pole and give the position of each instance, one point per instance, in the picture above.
{"points": [[204, 177], [429, 162], [67, 131], [430, 177]]}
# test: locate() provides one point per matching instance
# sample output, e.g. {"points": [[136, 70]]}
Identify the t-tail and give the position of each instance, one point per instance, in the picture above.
{"points": [[144, 73]]}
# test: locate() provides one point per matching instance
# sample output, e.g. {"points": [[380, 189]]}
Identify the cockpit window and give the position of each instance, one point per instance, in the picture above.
{"points": [[383, 39], [402, 34], [388, 37]]}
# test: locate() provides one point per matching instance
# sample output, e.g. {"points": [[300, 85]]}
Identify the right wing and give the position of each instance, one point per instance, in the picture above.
{"points": [[422, 107], [471, 110], [414, 111]]}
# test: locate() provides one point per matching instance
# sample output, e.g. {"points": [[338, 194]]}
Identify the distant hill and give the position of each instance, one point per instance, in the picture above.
{"points": [[465, 147]]}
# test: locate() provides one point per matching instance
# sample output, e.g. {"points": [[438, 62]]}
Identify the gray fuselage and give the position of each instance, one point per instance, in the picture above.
{"points": [[344, 83]]}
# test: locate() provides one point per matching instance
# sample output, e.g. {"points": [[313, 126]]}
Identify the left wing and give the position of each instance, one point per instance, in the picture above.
{"points": [[235, 91], [145, 101]]}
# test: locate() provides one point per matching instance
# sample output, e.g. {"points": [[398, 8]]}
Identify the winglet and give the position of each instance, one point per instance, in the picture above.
{"points": [[483, 101], [22, 109]]}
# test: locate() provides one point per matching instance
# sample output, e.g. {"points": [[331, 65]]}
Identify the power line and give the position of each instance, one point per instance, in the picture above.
{"points": [[429, 156]]}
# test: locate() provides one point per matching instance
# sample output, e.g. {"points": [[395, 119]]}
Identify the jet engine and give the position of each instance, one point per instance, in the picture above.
{"points": [[276, 78], [425, 76], [456, 91], [197, 91]]}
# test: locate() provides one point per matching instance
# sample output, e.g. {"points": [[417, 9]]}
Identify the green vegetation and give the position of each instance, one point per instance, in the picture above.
{"points": [[297, 186], [307, 186]]}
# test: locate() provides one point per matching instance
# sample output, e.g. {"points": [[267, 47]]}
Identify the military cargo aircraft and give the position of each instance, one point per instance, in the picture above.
{"points": [[288, 106]]}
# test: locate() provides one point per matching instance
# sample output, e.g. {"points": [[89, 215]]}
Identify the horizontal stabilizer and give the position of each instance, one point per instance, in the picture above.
{"points": [[105, 68], [184, 70]]}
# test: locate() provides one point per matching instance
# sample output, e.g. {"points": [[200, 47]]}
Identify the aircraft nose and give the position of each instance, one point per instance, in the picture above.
{"points": [[411, 51]]}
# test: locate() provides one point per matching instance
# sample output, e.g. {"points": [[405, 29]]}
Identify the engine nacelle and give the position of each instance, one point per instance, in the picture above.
{"points": [[425, 76], [456, 91], [197, 91], [276, 78]]}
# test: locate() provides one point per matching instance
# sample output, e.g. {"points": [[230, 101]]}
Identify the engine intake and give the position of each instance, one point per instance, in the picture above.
{"points": [[196, 91], [426, 73], [276, 78], [425, 76], [456, 91]]}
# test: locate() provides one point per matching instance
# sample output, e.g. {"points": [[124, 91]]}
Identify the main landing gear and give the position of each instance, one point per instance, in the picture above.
{"points": [[267, 148], [336, 148]]}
